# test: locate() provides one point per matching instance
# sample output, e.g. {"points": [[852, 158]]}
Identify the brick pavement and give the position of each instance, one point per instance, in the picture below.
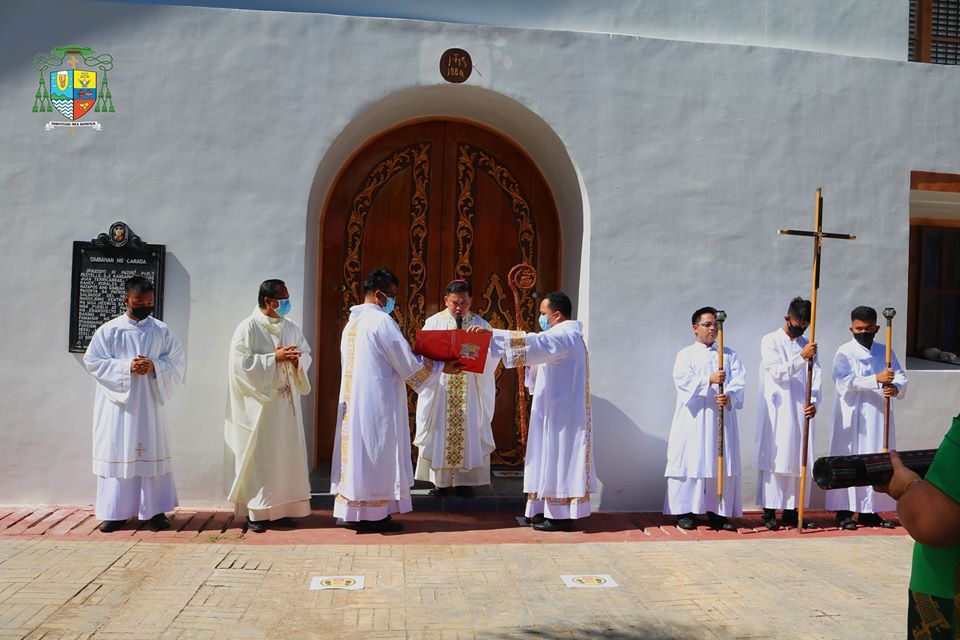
{"points": [[443, 580]]}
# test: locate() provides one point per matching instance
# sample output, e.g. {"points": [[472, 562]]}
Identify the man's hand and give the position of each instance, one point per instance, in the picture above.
{"points": [[901, 480], [475, 328], [810, 410], [141, 366], [722, 399], [809, 351], [718, 376], [287, 354], [890, 391], [453, 367], [885, 376]]}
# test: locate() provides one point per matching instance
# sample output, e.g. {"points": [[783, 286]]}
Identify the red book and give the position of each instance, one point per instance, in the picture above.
{"points": [[454, 344]]}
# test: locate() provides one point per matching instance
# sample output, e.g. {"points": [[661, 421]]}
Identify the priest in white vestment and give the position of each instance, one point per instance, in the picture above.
{"points": [[863, 381], [454, 434], [372, 472], [138, 363], [558, 472], [782, 407], [266, 452], [691, 470]]}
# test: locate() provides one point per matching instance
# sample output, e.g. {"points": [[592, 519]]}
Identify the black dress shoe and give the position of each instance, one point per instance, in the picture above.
{"points": [[465, 492], [439, 492], [769, 518], [790, 517], [160, 522], [720, 523], [844, 520], [875, 520], [257, 526], [109, 526], [687, 522], [284, 523], [550, 524], [375, 526]]}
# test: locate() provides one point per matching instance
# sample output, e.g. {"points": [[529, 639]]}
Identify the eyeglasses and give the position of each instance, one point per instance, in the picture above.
{"points": [[708, 325]]}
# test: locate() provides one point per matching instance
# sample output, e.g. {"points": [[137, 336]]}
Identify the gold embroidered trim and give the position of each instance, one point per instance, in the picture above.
{"points": [[361, 503], [347, 387], [518, 351], [416, 380], [559, 501], [456, 421], [128, 461], [586, 359]]}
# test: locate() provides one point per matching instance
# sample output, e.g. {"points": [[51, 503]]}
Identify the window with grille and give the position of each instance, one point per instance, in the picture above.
{"points": [[935, 31]]}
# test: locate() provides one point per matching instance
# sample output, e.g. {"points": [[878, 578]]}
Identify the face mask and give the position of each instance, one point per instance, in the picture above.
{"points": [[391, 304], [865, 339], [544, 325], [140, 313], [283, 308], [796, 332]]}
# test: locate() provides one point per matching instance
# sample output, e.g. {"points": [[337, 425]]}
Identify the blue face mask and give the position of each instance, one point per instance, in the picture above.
{"points": [[391, 304], [544, 325], [284, 307]]}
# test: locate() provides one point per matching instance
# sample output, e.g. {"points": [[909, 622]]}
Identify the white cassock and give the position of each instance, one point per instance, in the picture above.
{"points": [[454, 436], [263, 430], [558, 473], [371, 473], [131, 448], [783, 394], [692, 448], [858, 418]]}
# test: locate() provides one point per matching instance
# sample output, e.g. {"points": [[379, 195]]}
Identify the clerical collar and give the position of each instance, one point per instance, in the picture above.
{"points": [[703, 346], [264, 318], [135, 322]]}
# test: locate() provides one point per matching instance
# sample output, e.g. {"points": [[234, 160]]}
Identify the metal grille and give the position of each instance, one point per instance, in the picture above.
{"points": [[934, 31], [945, 19], [945, 52]]}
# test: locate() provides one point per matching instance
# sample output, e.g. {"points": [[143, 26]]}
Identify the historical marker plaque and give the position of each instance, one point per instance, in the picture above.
{"points": [[100, 268], [455, 65]]}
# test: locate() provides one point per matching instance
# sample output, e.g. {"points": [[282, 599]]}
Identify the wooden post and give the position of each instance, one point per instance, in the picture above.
{"points": [[721, 318], [888, 313]]}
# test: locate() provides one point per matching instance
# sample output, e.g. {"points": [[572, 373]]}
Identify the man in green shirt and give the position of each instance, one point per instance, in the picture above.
{"points": [[929, 509]]}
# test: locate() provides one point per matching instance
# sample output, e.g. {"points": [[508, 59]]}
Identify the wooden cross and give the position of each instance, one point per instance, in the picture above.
{"points": [[818, 234], [140, 450]]}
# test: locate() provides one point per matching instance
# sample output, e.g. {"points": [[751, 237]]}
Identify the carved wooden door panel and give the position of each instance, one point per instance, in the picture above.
{"points": [[434, 201]]}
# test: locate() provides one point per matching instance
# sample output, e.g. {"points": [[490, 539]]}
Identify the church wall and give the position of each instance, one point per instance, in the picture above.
{"points": [[692, 156]]}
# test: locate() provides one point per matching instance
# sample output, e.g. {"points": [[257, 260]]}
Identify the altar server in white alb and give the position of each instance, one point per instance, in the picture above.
{"points": [[692, 464], [863, 381], [558, 473], [454, 436], [266, 452], [782, 404], [137, 362], [372, 472]]}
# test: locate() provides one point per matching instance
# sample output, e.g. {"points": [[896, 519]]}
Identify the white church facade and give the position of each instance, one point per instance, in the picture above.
{"points": [[641, 155]]}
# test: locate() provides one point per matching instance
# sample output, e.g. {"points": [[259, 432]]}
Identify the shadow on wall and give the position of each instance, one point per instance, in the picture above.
{"points": [[28, 30], [629, 457]]}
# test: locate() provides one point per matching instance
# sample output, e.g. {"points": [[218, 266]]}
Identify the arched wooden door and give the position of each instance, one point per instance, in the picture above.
{"points": [[433, 201]]}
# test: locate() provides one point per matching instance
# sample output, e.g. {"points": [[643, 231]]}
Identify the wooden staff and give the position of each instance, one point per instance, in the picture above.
{"points": [[521, 277], [818, 235], [888, 313], [721, 318]]}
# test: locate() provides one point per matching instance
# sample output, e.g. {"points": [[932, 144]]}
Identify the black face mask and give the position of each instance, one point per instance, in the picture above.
{"points": [[796, 332], [140, 313], [865, 339]]}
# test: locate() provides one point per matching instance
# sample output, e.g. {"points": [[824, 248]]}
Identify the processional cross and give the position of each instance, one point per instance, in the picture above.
{"points": [[818, 234]]}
